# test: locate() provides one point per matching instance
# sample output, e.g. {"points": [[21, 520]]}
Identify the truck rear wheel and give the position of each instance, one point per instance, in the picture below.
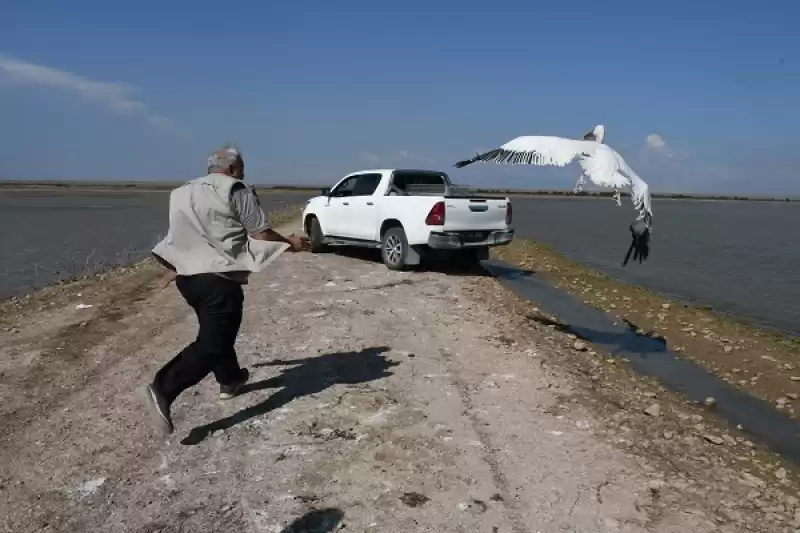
{"points": [[394, 248], [315, 236]]}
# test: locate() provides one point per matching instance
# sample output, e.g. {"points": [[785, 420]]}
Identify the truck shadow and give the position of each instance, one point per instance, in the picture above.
{"points": [[428, 264], [306, 376]]}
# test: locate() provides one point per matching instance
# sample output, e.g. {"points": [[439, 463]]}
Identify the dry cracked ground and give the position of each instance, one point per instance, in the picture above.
{"points": [[380, 402]]}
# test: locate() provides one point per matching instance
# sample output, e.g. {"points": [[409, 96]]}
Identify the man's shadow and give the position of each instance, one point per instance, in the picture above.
{"points": [[305, 376], [316, 521]]}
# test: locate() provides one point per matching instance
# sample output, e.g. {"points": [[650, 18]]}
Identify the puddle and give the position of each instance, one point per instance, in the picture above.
{"points": [[651, 357]]}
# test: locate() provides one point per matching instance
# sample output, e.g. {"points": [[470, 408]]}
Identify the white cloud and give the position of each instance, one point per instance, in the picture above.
{"points": [[669, 168], [369, 158], [397, 157], [656, 143], [115, 96], [405, 155]]}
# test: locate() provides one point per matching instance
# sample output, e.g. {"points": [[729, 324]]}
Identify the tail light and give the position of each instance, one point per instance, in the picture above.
{"points": [[436, 215], [508, 213]]}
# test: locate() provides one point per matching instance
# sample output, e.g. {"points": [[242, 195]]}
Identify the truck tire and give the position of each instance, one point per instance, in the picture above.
{"points": [[394, 248], [315, 236]]}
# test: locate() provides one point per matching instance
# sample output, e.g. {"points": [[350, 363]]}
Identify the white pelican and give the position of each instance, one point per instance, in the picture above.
{"points": [[597, 135], [599, 162]]}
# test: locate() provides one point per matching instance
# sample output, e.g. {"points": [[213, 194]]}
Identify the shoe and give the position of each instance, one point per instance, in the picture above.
{"points": [[226, 392], [159, 408]]}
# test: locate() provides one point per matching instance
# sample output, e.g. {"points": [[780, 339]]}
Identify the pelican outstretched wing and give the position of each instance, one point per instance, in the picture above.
{"points": [[532, 150], [599, 162], [640, 191], [640, 196]]}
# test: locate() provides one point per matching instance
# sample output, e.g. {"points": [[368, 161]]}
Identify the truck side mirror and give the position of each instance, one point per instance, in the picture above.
{"points": [[326, 191]]}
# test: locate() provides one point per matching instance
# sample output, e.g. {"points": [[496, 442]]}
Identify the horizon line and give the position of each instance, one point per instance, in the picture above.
{"points": [[161, 184]]}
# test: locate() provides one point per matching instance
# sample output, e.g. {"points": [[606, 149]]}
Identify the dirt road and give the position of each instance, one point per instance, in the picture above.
{"points": [[379, 402]]}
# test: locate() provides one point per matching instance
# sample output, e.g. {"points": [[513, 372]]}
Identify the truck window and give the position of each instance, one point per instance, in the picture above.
{"points": [[345, 188], [366, 184], [358, 185], [409, 182]]}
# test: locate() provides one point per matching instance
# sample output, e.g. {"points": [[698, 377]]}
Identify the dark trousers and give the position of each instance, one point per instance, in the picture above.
{"points": [[218, 304]]}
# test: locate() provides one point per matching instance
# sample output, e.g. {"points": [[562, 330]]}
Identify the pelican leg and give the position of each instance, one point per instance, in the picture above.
{"points": [[579, 185], [617, 197]]}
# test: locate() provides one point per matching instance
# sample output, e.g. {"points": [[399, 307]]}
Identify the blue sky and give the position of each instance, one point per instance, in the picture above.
{"points": [[311, 90]]}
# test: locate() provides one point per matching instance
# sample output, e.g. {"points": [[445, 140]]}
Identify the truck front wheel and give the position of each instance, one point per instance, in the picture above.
{"points": [[394, 248], [315, 236]]}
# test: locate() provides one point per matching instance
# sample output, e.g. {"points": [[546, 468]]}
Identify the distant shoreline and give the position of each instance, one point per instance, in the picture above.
{"points": [[162, 186]]}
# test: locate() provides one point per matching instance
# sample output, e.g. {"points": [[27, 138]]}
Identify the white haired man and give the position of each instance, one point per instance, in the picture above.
{"points": [[218, 234]]}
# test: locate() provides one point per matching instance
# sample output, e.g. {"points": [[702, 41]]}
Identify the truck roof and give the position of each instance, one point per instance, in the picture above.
{"points": [[390, 170]]}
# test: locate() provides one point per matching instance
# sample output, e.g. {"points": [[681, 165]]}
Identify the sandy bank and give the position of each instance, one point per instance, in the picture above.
{"points": [[380, 401]]}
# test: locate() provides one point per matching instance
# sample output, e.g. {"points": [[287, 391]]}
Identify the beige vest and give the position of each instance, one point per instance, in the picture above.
{"points": [[205, 237]]}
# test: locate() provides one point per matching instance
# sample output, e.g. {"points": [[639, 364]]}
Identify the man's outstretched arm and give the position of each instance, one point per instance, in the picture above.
{"points": [[246, 205], [298, 243]]}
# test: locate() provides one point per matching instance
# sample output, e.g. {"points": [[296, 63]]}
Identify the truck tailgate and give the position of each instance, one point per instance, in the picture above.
{"points": [[467, 214]]}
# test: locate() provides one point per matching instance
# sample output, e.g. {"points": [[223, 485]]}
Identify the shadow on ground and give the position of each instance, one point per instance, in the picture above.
{"points": [[508, 272], [305, 376], [433, 264], [316, 521]]}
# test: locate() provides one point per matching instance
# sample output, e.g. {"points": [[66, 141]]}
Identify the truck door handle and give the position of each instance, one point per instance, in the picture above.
{"points": [[370, 203], [345, 203]]}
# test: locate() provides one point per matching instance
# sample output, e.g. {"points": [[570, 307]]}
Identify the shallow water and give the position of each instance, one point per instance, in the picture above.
{"points": [[651, 357], [46, 236], [738, 257]]}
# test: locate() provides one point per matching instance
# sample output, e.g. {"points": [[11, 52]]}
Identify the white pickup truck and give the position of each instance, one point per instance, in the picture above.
{"points": [[408, 214]]}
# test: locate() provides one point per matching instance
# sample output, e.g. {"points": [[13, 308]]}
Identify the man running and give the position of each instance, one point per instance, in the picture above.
{"points": [[218, 234]]}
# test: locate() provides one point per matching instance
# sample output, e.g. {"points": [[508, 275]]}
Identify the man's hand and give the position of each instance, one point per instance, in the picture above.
{"points": [[166, 279], [299, 243]]}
